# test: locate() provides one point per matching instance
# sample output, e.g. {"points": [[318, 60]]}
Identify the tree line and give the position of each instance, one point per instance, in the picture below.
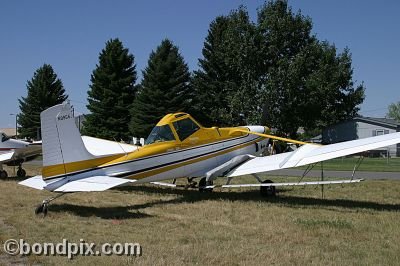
{"points": [[273, 72]]}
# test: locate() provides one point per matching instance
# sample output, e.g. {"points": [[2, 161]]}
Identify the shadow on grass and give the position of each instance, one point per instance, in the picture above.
{"points": [[192, 196], [290, 201], [118, 213]]}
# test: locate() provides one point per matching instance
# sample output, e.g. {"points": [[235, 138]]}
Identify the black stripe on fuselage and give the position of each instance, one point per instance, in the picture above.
{"points": [[180, 161], [158, 155]]}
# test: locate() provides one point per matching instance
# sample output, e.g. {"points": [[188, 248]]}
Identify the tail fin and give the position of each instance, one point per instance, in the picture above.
{"points": [[62, 142]]}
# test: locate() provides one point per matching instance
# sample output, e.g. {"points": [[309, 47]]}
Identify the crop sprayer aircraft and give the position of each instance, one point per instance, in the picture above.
{"points": [[177, 147]]}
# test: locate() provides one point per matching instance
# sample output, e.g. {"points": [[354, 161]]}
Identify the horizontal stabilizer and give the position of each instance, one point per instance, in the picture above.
{"points": [[102, 147], [94, 183], [290, 184], [309, 154], [35, 182]]}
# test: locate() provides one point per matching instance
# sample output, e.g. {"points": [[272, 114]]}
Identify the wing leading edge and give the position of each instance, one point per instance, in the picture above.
{"points": [[6, 156], [89, 184], [94, 183], [309, 154]]}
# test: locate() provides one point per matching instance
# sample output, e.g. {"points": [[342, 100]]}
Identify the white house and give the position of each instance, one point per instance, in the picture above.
{"points": [[363, 127]]}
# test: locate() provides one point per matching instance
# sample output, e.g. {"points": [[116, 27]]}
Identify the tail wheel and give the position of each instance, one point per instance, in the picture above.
{"points": [[269, 191]]}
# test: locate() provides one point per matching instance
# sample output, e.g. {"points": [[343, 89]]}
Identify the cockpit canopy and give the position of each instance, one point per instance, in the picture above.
{"points": [[160, 134], [185, 127], [182, 124]]}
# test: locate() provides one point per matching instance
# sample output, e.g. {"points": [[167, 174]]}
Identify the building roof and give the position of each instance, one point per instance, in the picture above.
{"points": [[8, 131], [386, 122]]}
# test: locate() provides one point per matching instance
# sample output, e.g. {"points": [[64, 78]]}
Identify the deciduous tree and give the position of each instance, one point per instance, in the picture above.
{"points": [[394, 111]]}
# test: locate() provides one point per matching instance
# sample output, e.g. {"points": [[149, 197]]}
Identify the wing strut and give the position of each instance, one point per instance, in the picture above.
{"points": [[322, 179], [308, 169], [358, 163]]}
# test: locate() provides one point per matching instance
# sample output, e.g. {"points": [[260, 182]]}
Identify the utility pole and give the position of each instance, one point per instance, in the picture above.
{"points": [[16, 125]]}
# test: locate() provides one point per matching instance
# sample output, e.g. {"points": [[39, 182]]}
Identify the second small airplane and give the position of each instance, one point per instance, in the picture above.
{"points": [[15, 152]]}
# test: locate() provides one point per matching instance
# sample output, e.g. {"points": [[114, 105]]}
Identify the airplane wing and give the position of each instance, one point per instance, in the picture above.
{"points": [[25, 153], [309, 154], [6, 156], [89, 184], [101, 147], [93, 183]]}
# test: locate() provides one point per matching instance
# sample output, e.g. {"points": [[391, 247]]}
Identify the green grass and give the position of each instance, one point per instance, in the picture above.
{"points": [[368, 164], [355, 224]]}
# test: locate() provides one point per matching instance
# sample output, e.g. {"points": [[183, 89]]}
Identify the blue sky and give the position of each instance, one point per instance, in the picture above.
{"points": [[70, 34]]}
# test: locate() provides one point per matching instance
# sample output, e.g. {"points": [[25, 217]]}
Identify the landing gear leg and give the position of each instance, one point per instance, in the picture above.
{"points": [[43, 207], [191, 183], [203, 185]]}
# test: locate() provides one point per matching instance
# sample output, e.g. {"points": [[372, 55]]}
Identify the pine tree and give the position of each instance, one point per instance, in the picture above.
{"points": [[164, 89], [210, 82], [111, 93], [44, 91]]}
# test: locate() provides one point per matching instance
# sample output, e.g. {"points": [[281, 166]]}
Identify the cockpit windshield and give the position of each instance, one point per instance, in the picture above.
{"points": [[185, 127], [160, 134], [4, 137]]}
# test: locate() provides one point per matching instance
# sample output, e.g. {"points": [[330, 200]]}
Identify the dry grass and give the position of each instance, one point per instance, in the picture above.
{"points": [[353, 225]]}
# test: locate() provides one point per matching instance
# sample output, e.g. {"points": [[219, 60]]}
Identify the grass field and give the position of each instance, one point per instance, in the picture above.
{"points": [[354, 225]]}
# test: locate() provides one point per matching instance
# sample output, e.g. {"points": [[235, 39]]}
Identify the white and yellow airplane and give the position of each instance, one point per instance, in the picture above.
{"points": [[177, 147], [14, 152]]}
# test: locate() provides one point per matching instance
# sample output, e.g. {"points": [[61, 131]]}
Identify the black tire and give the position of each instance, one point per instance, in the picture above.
{"points": [[3, 174], [21, 172], [268, 191], [203, 183], [39, 209]]}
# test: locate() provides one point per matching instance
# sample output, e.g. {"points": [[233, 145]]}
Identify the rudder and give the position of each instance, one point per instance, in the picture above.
{"points": [[61, 140]]}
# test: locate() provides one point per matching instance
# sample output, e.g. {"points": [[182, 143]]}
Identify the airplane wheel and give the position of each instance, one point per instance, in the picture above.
{"points": [[21, 172], [203, 183], [3, 174], [268, 191]]}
